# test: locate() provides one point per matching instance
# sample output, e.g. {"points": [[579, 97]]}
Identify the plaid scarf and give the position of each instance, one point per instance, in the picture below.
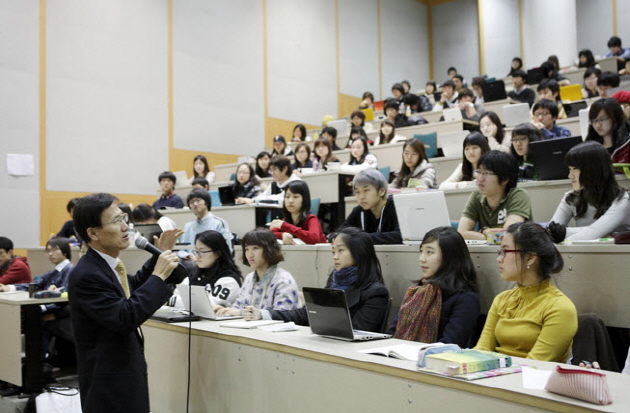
{"points": [[419, 315]]}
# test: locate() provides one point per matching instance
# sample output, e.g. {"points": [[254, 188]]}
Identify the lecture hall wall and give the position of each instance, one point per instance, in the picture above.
{"points": [[106, 95]]}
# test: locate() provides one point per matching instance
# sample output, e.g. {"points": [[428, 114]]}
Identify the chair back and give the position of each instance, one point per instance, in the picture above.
{"points": [[430, 143], [314, 206], [215, 198]]}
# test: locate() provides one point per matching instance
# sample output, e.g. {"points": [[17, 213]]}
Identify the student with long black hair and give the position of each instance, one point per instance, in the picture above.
{"points": [[475, 146], [387, 133], [357, 272], [298, 222], [517, 64], [246, 185], [586, 59], [415, 165], [597, 203], [491, 127], [299, 133], [360, 157], [591, 75], [302, 155], [323, 155], [522, 136], [201, 170], [262, 165], [608, 126], [444, 305]]}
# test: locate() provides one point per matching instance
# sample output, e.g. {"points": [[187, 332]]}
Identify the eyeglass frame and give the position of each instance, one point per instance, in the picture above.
{"points": [[485, 174], [599, 121], [501, 253], [124, 217], [199, 253]]}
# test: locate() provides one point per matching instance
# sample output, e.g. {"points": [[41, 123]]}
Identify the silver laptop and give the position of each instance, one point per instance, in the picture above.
{"points": [[516, 114], [342, 127], [420, 212], [198, 302], [452, 114], [452, 143], [182, 179], [329, 316]]}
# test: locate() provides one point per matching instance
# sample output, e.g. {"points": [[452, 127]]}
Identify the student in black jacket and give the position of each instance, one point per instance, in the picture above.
{"points": [[357, 272], [375, 213]]}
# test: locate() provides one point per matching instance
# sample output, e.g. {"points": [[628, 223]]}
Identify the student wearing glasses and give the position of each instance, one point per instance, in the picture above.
{"points": [[522, 136], [497, 203], [535, 319], [545, 115], [609, 127]]}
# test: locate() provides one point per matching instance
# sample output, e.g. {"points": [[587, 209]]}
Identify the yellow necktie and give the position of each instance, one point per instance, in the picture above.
{"points": [[122, 276]]}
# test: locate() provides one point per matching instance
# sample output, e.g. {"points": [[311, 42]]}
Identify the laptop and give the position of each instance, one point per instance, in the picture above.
{"points": [[226, 194], [452, 143], [571, 93], [329, 316], [516, 114], [452, 114], [493, 91], [548, 156], [584, 121], [369, 114], [197, 301], [148, 231], [573, 109], [342, 127], [420, 212], [534, 76], [182, 179]]}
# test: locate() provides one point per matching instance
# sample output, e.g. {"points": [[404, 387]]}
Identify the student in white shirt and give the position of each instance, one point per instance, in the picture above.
{"points": [[360, 158]]}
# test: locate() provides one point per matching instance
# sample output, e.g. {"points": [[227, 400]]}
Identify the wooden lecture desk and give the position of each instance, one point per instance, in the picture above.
{"points": [[12, 307], [235, 370], [545, 197]]}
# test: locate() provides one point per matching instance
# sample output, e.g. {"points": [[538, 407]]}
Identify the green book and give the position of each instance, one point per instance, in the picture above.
{"points": [[467, 361]]}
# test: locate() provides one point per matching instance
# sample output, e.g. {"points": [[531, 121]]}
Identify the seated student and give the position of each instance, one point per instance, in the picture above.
{"points": [[621, 53], [587, 60], [497, 203], [470, 110], [392, 112], [144, 214], [607, 81], [591, 75], [415, 167], [449, 97], [475, 146], [388, 134], [168, 199], [280, 146], [298, 221], [608, 126], [246, 184], [357, 132], [444, 305], [429, 90], [406, 86], [550, 72], [67, 231], [597, 203], [398, 91], [491, 127], [367, 101], [623, 98], [458, 81], [360, 157], [358, 119], [268, 287], [262, 165], [299, 133], [357, 272], [626, 68], [545, 114], [375, 213], [13, 269], [515, 66], [215, 269], [535, 319], [451, 72], [302, 157], [549, 89], [417, 103], [330, 134], [323, 155], [522, 136], [201, 170], [200, 204], [521, 92], [282, 174], [200, 183], [477, 84]]}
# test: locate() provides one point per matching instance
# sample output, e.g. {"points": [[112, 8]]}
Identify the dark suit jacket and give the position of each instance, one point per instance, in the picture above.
{"points": [[110, 350]]}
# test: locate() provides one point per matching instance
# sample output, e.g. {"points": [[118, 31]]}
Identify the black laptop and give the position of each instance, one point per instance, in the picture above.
{"points": [[226, 194], [149, 230], [548, 155], [493, 91], [534, 76], [573, 109]]}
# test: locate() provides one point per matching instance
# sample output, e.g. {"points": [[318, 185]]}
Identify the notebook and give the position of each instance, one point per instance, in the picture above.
{"points": [[420, 212], [494, 91], [226, 194], [197, 301], [516, 114], [329, 316], [548, 156], [452, 143]]}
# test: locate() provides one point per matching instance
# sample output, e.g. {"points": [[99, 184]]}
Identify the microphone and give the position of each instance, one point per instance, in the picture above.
{"points": [[178, 275]]}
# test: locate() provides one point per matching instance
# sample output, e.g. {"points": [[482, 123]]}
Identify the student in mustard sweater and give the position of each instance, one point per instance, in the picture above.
{"points": [[535, 319]]}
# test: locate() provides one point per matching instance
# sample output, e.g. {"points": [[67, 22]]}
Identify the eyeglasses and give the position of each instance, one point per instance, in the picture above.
{"points": [[483, 173], [119, 220], [542, 114], [501, 253], [598, 121], [199, 253]]}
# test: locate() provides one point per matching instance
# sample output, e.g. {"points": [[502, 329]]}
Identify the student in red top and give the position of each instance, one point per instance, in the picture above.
{"points": [[13, 270], [298, 221]]}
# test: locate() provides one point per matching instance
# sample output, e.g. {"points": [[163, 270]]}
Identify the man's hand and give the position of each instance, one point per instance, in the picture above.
{"points": [[167, 239], [166, 263]]}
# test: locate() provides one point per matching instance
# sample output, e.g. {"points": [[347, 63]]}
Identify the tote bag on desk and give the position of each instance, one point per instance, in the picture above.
{"points": [[59, 401]]}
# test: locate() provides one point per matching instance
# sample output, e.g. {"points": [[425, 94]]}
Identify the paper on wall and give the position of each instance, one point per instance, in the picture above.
{"points": [[20, 164]]}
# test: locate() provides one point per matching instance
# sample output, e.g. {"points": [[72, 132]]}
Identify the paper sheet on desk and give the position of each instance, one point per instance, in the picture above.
{"points": [[276, 328], [534, 378]]}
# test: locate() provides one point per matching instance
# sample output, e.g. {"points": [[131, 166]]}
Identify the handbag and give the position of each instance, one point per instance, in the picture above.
{"points": [[59, 400], [587, 385]]}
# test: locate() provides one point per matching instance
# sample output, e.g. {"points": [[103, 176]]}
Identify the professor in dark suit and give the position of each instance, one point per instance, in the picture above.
{"points": [[108, 306]]}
